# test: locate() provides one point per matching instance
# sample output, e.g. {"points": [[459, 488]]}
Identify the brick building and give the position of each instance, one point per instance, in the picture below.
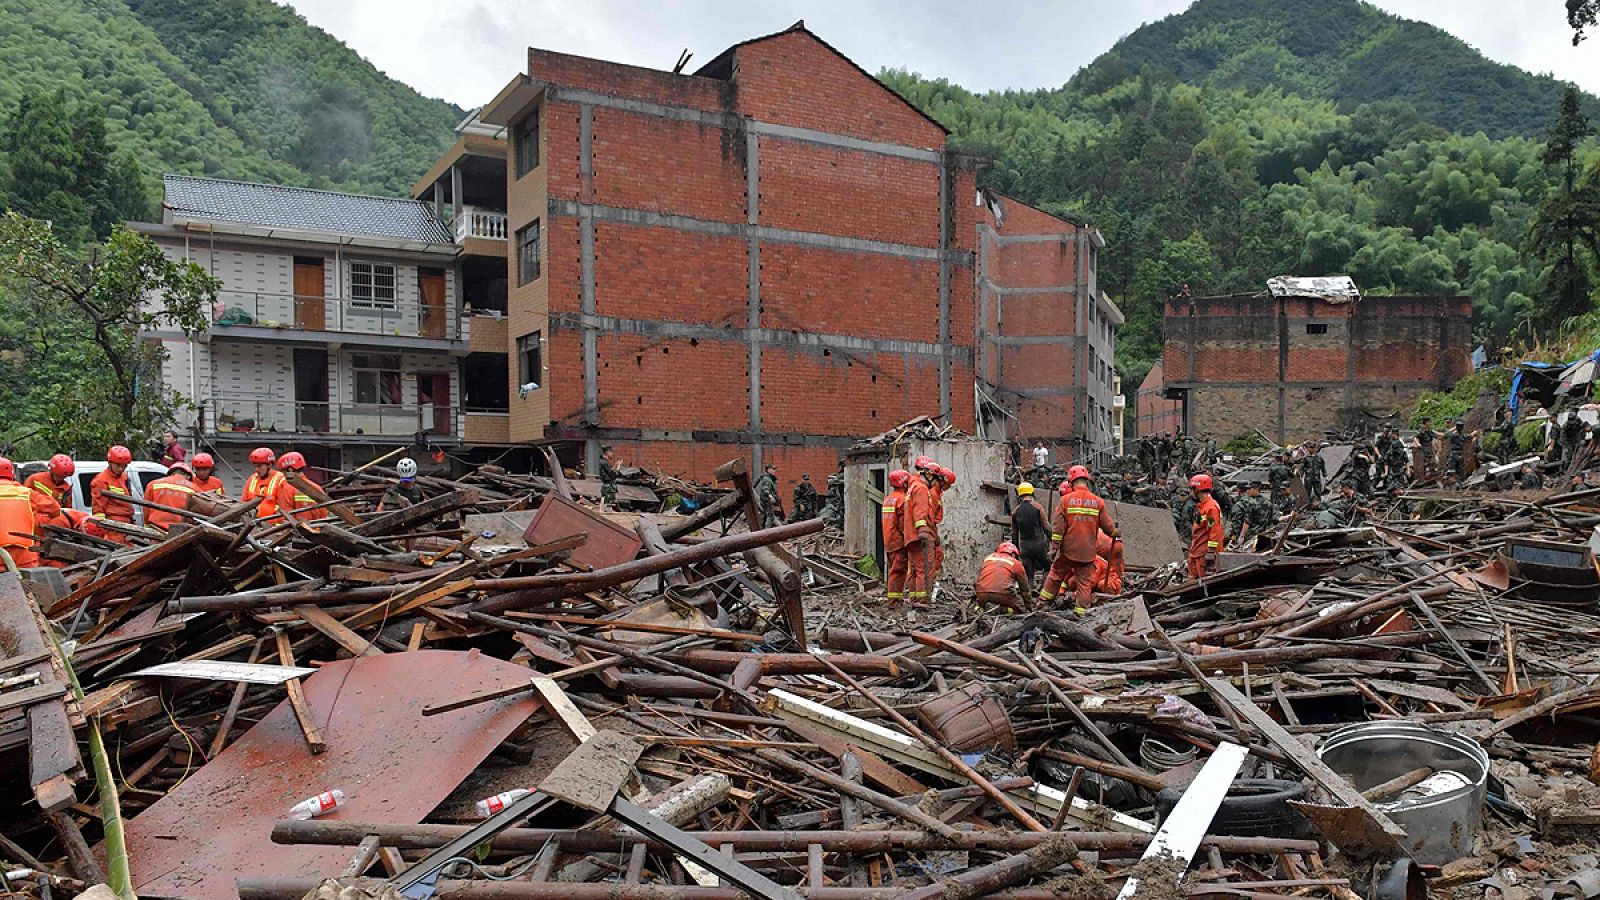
{"points": [[1153, 412], [1298, 365], [1046, 333], [774, 256]]}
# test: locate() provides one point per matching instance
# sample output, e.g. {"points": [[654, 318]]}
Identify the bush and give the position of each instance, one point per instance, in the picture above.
{"points": [[1248, 444], [1447, 406]]}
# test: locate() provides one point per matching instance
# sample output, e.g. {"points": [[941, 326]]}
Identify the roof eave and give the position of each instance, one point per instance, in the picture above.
{"points": [[270, 232]]}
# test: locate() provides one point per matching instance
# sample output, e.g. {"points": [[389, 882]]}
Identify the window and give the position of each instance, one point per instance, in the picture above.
{"points": [[527, 139], [377, 378], [1316, 328], [372, 285], [530, 361], [528, 252]]}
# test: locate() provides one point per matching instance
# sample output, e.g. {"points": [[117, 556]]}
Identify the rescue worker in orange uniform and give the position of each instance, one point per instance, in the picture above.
{"points": [[203, 481], [920, 530], [109, 493], [268, 484], [1079, 519], [55, 480], [1108, 565], [1205, 530], [896, 563], [947, 480], [1003, 580], [292, 463], [22, 510], [172, 489]]}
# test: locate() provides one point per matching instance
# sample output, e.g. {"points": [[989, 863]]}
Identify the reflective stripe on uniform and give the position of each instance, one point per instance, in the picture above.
{"points": [[920, 523]]}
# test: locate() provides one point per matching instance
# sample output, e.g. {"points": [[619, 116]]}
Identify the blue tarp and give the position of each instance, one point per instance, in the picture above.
{"points": [[1539, 380]]}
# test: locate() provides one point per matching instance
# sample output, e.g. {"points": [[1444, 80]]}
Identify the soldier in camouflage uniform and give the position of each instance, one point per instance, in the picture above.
{"points": [[608, 479], [1253, 514], [1314, 473], [1348, 510], [1399, 459], [1278, 475]]}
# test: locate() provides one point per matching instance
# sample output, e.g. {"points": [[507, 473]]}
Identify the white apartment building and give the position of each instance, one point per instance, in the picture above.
{"points": [[338, 331]]}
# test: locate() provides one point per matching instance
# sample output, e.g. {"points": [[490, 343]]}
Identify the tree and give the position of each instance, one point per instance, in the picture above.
{"points": [[1567, 221], [1581, 14], [61, 169], [91, 308]]}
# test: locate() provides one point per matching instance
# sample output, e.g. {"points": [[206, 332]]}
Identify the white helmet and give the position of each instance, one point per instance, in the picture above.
{"points": [[407, 468]]}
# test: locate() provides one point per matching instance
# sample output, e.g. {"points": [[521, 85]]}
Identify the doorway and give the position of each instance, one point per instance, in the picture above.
{"points": [[433, 402], [430, 283], [311, 390], [310, 300]]}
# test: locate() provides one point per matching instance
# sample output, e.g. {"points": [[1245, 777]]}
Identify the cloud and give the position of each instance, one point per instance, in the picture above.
{"points": [[465, 52]]}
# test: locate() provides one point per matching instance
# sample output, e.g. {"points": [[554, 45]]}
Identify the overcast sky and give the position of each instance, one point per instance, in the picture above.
{"points": [[467, 54]]}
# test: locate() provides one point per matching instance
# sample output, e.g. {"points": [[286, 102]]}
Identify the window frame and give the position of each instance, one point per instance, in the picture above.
{"points": [[524, 261], [372, 301], [533, 340], [362, 364], [1316, 328], [525, 133]]}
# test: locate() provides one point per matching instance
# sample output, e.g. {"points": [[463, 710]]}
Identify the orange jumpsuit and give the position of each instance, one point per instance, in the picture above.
{"points": [[936, 492], [1205, 536], [169, 490], [918, 528], [108, 495], [209, 485], [995, 579], [1079, 519], [1108, 567], [276, 494], [894, 544], [302, 501], [22, 511], [45, 483]]}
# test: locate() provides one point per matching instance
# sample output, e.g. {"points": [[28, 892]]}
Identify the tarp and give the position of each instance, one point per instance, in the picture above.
{"points": [[1541, 381]]}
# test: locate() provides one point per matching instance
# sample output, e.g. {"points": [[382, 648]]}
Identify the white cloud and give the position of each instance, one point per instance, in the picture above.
{"points": [[466, 51]]}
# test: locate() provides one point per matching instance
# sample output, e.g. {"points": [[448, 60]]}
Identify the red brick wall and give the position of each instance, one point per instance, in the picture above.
{"points": [[672, 276], [1154, 413], [707, 94], [838, 292], [849, 193], [633, 153]]}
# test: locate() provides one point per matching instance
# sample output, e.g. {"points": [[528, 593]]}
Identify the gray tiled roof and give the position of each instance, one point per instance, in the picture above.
{"points": [[302, 209]]}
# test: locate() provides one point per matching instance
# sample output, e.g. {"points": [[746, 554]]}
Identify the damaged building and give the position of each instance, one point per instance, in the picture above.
{"points": [[1309, 355]]}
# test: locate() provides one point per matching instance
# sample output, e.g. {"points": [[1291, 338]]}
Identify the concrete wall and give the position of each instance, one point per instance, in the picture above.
{"points": [[1298, 367]]}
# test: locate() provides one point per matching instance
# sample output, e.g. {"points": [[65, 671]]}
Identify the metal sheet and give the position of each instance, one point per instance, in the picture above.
{"points": [[609, 544], [393, 765], [212, 670]]}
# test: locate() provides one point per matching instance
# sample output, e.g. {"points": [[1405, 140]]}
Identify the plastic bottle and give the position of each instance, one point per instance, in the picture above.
{"points": [[321, 804], [489, 806]]}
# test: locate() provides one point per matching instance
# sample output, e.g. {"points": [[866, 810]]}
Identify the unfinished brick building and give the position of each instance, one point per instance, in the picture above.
{"points": [[1298, 366], [772, 257], [1046, 333]]}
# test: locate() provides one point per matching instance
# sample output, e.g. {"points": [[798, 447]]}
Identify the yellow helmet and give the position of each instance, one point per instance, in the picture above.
{"points": [[1025, 489]]}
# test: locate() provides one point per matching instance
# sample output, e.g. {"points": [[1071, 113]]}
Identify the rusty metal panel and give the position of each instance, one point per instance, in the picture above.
{"points": [[609, 544], [393, 765]]}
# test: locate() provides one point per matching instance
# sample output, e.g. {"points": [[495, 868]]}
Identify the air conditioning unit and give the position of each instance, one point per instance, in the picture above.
{"points": [[1119, 402]]}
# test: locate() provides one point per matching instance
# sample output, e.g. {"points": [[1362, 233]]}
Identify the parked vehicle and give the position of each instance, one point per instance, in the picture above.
{"points": [[140, 474]]}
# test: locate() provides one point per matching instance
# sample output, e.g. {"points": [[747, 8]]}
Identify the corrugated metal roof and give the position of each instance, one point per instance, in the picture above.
{"points": [[302, 209]]}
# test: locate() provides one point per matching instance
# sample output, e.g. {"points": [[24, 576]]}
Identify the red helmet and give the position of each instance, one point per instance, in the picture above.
{"points": [[204, 461], [1008, 549], [179, 466], [262, 456], [62, 466], [1076, 472], [925, 464], [291, 461], [899, 478], [7, 469], [1201, 482], [949, 476], [1066, 488], [119, 454]]}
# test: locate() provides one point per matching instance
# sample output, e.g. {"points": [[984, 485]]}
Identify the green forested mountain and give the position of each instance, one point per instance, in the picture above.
{"points": [[1244, 139], [229, 88]]}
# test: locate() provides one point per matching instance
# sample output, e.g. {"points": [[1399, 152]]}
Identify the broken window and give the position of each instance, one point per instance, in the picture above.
{"points": [[528, 252], [485, 383], [1316, 328], [530, 361], [377, 378], [372, 285], [527, 141]]}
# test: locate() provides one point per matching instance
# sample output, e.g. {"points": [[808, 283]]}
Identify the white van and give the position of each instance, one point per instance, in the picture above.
{"points": [[140, 474]]}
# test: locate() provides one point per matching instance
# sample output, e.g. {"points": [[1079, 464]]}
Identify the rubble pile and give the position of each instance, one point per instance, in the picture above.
{"points": [[505, 691]]}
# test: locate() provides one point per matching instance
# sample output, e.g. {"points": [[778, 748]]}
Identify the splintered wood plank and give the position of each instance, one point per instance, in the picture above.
{"points": [[297, 697], [336, 631], [559, 704]]}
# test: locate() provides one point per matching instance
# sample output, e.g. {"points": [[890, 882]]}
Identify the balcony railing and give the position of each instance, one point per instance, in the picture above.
{"points": [[243, 416], [401, 318], [475, 222]]}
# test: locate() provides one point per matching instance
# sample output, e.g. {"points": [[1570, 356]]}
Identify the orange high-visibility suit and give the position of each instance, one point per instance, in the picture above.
{"points": [[1000, 572], [918, 528], [211, 484], [894, 544], [275, 492], [1108, 567], [169, 490], [1205, 536], [45, 483], [1079, 519], [936, 494], [22, 510], [108, 495], [303, 501]]}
